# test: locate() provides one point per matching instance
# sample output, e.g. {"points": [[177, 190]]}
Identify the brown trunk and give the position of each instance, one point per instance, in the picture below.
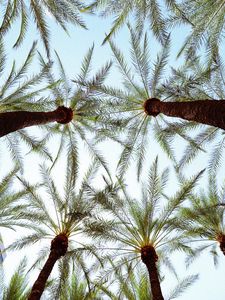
{"points": [[149, 258], [222, 247], [12, 121], [210, 112], [59, 247], [221, 240]]}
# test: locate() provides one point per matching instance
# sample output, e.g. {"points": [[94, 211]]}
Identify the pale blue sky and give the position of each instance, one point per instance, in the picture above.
{"points": [[71, 49]]}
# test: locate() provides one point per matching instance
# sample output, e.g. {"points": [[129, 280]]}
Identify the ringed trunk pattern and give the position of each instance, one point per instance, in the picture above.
{"points": [[58, 248], [15, 120], [149, 258], [209, 112]]}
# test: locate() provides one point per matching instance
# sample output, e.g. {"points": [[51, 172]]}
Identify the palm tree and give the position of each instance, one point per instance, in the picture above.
{"points": [[143, 230], [138, 108], [77, 111], [204, 221], [63, 223], [87, 117], [63, 11]]}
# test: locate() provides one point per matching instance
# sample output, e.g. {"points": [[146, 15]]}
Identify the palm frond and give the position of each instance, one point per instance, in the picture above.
{"points": [[86, 64], [17, 286], [63, 12], [159, 66], [182, 286], [118, 22], [157, 22], [23, 25]]}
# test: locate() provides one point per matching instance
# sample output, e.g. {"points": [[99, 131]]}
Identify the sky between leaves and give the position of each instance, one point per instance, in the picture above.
{"points": [[71, 50]]}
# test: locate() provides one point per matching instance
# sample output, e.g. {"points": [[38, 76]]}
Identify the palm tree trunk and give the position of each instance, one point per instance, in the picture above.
{"points": [[210, 112], [12, 121], [222, 247], [59, 247], [221, 240], [149, 258]]}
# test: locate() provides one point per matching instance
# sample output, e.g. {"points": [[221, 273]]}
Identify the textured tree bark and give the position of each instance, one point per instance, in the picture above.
{"points": [[12, 121], [59, 247], [210, 112], [149, 258]]}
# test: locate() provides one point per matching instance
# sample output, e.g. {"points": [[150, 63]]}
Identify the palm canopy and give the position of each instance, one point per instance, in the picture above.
{"points": [[151, 12], [62, 11], [86, 106], [138, 225], [204, 219], [42, 92], [62, 219], [207, 20], [125, 107]]}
